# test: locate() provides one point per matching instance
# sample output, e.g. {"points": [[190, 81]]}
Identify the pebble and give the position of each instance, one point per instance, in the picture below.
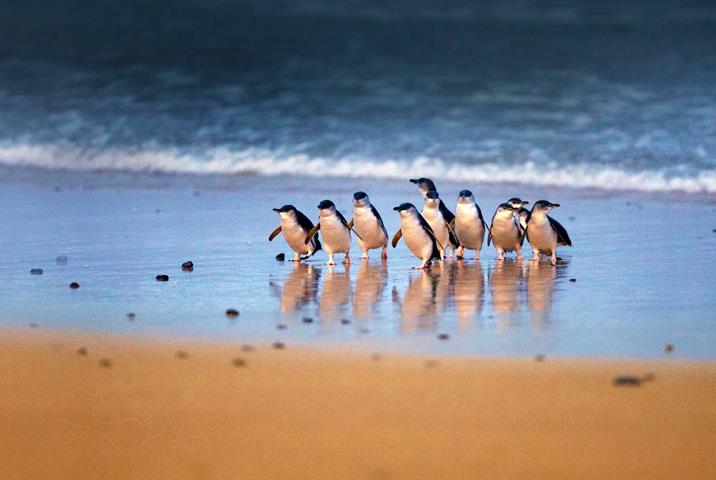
{"points": [[232, 313], [187, 266], [627, 380], [540, 357], [36, 271], [182, 354], [82, 351], [713, 231], [131, 316], [247, 348], [281, 326], [669, 348], [162, 278], [74, 285], [345, 321], [239, 362], [105, 362], [281, 257], [34, 325], [572, 280], [61, 260], [443, 336], [278, 345], [307, 320]]}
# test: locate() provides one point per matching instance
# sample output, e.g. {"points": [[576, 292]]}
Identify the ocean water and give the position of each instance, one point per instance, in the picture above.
{"points": [[549, 94]]}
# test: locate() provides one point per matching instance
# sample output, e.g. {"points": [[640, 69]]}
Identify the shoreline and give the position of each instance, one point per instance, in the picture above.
{"points": [[127, 408]]}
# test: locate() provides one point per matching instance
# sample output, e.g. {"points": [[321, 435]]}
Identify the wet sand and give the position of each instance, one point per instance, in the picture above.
{"points": [[227, 411]]}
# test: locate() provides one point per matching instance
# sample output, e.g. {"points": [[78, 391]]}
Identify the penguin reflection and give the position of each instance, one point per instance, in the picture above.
{"points": [[469, 292], [424, 299], [336, 292], [299, 288], [505, 286], [370, 283], [540, 288]]}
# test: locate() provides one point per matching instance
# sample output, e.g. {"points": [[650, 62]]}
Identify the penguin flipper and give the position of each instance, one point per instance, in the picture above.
{"points": [[562, 235], [396, 237], [312, 233], [453, 236], [274, 233]]}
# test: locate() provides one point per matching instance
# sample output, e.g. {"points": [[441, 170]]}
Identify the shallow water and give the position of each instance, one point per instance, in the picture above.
{"points": [[643, 269]]}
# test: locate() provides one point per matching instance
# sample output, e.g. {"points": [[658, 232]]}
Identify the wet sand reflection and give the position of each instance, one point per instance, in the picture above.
{"points": [[299, 289], [369, 286], [469, 291], [335, 293]]}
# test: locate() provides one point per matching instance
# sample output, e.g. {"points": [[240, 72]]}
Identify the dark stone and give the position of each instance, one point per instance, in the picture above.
{"points": [[131, 316], [187, 266], [247, 348], [61, 260], [105, 362], [74, 285], [278, 345], [572, 280], [182, 354], [627, 381], [281, 257], [281, 326], [540, 357], [345, 321], [34, 325], [713, 231], [36, 271], [669, 348], [307, 320], [82, 351], [162, 278], [239, 362], [232, 313], [443, 336]]}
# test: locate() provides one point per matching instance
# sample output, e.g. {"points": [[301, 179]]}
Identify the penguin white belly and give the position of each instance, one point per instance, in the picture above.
{"points": [[336, 237], [505, 234], [469, 229], [368, 227], [541, 235], [295, 237], [419, 242], [437, 222]]}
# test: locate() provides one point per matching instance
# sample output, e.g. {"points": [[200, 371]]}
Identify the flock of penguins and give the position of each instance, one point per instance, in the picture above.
{"points": [[430, 233]]}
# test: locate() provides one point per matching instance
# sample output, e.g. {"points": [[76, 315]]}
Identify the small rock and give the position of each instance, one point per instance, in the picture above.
{"points": [[281, 257], [345, 321], [669, 348], [278, 345], [540, 357], [162, 278], [187, 266], [247, 348], [82, 351], [74, 285], [182, 354], [232, 313], [627, 380], [713, 231], [239, 362], [36, 271], [281, 326], [443, 336], [572, 280], [131, 316], [61, 260], [34, 325], [307, 320], [105, 362]]}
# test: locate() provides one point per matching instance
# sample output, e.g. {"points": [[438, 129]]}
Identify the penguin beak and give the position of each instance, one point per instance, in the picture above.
{"points": [[397, 209], [276, 210], [412, 180], [554, 205], [525, 202]]}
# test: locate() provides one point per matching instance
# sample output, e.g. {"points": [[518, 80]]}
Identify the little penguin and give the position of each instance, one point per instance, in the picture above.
{"points": [[432, 214], [544, 232], [506, 232], [426, 185], [470, 225], [336, 231], [367, 223], [295, 226], [419, 237], [522, 213]]}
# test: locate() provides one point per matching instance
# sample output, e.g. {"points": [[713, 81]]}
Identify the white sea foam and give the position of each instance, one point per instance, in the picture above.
{"points": [[280, 162]]}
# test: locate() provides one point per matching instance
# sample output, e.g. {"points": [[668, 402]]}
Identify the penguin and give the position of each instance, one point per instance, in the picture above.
{"points": [[419, 237], [544, 232], [295, 225], [367, 223], [426, 185], [336, 231], [470, 225], [522, 213], [506, 232], [432, 214]]}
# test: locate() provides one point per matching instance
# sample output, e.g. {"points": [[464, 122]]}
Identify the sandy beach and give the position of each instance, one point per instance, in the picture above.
{"points": [[219, 411]]}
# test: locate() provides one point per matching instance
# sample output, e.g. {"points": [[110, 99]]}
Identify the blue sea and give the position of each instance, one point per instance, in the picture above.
{"points": [[598, 95]]}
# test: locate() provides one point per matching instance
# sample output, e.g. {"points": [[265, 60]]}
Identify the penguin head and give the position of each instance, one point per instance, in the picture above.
{"points": [[405, 209], [517, 202], [466, 197], [360, 199], [432, 199], [326, 207], [544, 206], [285, 211], [424, 184], [505, 210]]}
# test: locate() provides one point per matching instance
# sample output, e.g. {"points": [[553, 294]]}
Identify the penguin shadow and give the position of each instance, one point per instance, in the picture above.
{"points": [[370, 284], [299, 289], [505, 278], [335, 293], [541, 278], [468, 291], [424, 299]]}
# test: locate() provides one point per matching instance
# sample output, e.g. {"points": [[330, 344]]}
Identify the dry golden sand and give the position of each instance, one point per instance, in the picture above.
{"points": [[314, 413]]}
